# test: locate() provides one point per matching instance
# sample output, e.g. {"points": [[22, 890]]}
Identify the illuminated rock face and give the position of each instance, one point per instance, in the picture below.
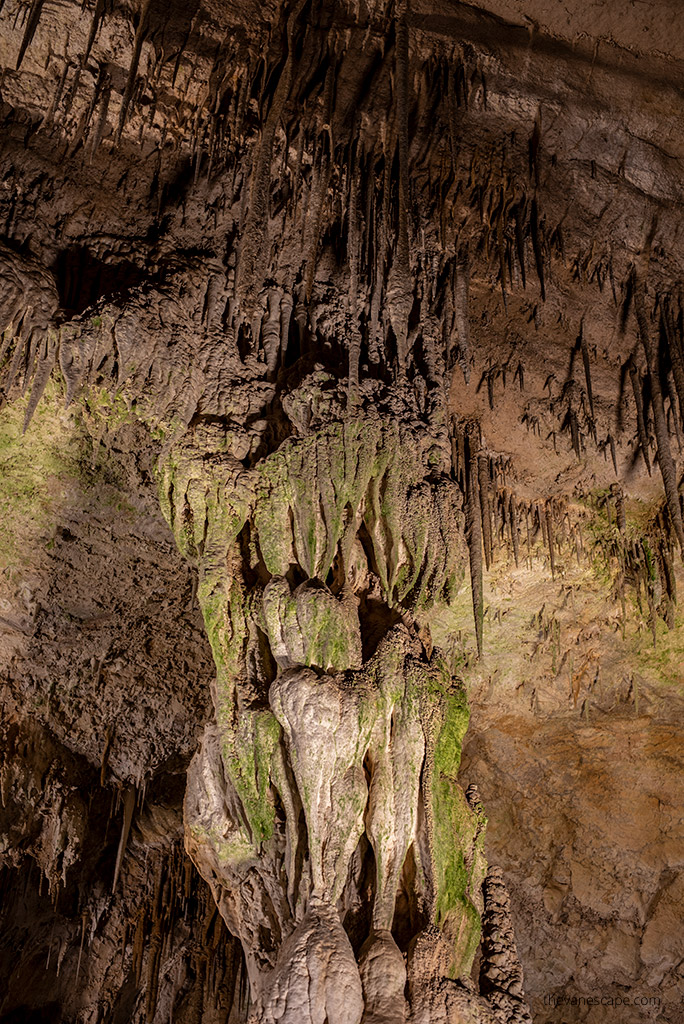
{"points": [[347, 341]]}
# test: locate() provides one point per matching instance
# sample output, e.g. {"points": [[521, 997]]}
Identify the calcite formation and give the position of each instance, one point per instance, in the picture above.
{"points": [[342, 393]]}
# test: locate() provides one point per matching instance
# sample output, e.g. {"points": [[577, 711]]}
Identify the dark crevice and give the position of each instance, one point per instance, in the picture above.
{"points": [[83, 279]]}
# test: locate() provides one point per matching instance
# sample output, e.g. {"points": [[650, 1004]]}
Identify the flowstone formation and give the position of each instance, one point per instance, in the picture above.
{"points": [[328, 785]]}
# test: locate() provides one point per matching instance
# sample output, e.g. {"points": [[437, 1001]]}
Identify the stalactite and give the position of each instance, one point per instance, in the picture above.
{"points": [[575, 433], [494, 505], [319, 184], [80, 948], [676, 356], [452, 117], [461, 279], [81, 134], [271, 333], [101, 124], [500, 245], [105, 751], [667, 466], [548, 518], [297, 175], [30, 30], [513, 515], [669, 574], [140, 34], [139, 944], [488, 379], [613, 453], [518, 215], [382, 243], [641, 424], [154, 946], [620, 514], [254, 251], [94, 26], [541, 523], [536, 246], [399, 290], [474, 529], [129, 805], [353, 260], [587, 369], [20, 353], [519, 375], [673, 412], [485, 506]]}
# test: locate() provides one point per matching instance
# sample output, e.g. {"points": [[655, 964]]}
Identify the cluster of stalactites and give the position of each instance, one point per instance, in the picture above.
{"points": [[501, 525]]}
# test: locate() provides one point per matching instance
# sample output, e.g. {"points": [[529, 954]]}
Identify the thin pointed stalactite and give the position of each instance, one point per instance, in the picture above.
{"points": [[674, 411], [353, 260], [254, 251], [474, 529], [96, 20], [613, 454], [461, 278], [129, 88], [452, 108], [587, 368], [548, 518], [537, 247], [666, 462], [400, 285], [128, 808], [485, 507], [32, 23], [513, 515], [634, 376], [381, 246], [20, 352], [319, 184], [518, 216], [674, 344], [41, 374]]}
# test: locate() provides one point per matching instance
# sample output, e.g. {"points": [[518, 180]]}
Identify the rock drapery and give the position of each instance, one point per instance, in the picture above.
{"points": [[375, 313]]}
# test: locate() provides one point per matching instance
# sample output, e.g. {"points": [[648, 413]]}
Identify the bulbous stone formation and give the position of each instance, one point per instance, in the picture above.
{"points": [[324, 794], [326, 789]]}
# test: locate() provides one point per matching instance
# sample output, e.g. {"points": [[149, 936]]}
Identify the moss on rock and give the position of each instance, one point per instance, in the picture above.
{"points": [[457, 838]]}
